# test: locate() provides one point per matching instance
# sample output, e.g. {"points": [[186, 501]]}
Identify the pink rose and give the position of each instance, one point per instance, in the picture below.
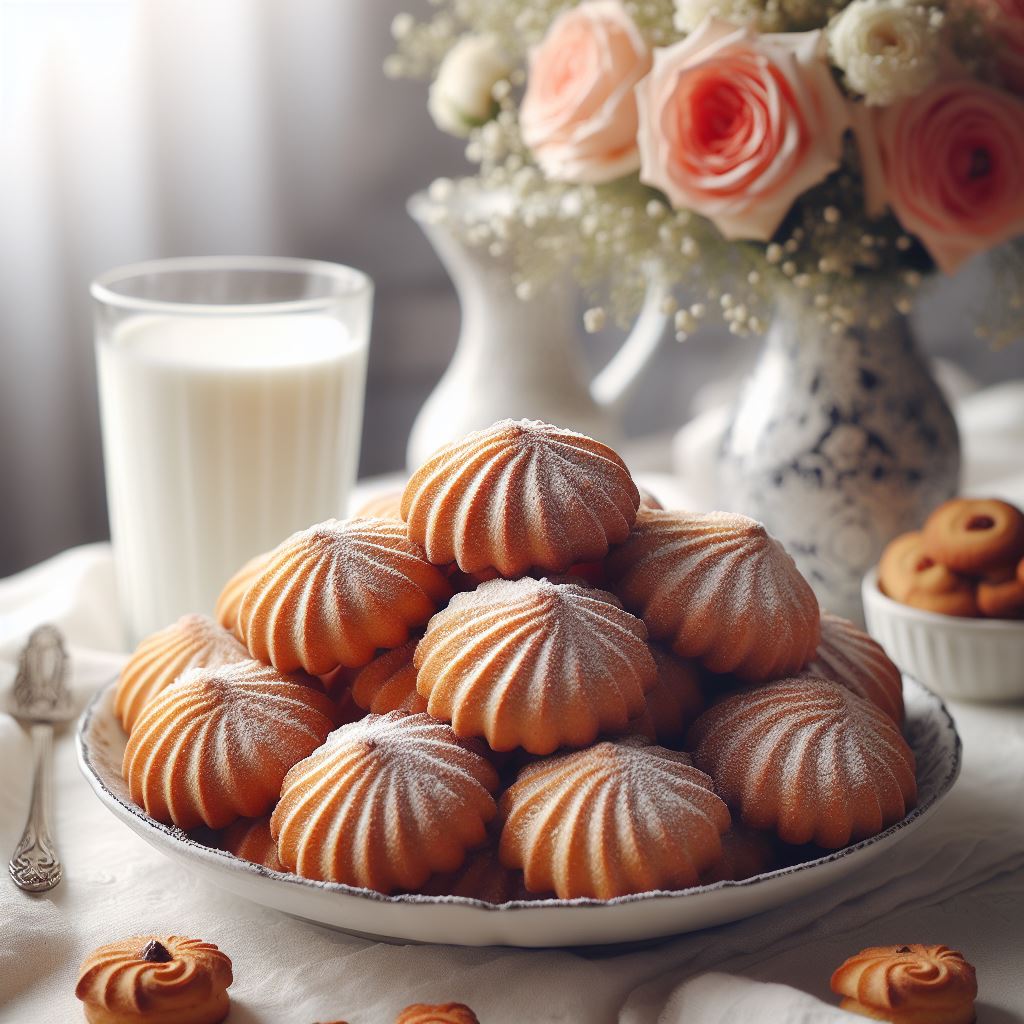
{"points": [[579, 112], [735, 125], [1005, 19], [950, 164]]}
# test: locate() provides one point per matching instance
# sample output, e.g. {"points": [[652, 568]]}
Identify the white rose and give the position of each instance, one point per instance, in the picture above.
{"points": [[887, 49], [461, 96], [690, 13]]}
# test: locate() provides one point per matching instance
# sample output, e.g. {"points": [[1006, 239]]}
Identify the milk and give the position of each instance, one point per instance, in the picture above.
{"points": [[221, 436]]}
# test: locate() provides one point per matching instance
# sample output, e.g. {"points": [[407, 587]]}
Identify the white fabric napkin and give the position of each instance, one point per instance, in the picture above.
{"points": [[959, 880]]}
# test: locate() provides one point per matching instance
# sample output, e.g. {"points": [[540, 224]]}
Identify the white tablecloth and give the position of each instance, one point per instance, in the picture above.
{"points": [[957, 880]]}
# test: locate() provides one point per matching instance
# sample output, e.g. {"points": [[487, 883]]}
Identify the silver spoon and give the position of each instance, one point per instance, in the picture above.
{"points": [[40, 699]]}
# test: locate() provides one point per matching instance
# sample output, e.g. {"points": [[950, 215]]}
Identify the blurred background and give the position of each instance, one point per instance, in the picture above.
{"points": [[137, 129]]}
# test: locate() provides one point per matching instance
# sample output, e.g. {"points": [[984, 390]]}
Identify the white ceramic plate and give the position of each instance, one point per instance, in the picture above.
{"points": [[460, 921]]}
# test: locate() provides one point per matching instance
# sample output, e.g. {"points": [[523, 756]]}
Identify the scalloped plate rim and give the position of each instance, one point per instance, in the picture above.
{"points": [[172, 841]]}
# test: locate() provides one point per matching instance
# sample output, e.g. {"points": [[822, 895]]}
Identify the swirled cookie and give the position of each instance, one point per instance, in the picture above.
{"points": [[194, 641], [911, 984], [331, 595], [807, 758], [745, 852], [719, 589], [225, 611], [439, 1013], [250, 839], [482, 877], [345, 708], [520, 495], [673, 702], [848, 656], [215, 746], [594, 822], [536, 664], [388, 683], [382, 506], [155, 978], [385, 803]]}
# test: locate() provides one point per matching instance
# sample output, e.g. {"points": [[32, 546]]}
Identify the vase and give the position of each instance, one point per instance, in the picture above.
{"points": [[838, 443], [516, 358]]}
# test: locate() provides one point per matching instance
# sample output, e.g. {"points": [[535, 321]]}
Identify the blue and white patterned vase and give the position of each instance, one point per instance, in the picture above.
{"points": [[838, 443]]}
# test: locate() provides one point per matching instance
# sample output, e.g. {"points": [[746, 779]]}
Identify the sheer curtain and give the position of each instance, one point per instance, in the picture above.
{"points": [[134, 129]]}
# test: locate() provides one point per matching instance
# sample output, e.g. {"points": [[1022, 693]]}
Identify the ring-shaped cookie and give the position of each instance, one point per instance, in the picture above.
{"points": [[961, 602], [906, 567], [1001, 595], [973, 535]]}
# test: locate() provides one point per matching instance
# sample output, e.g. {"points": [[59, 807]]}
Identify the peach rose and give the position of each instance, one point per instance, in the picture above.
{"points": [[578, 115], [950, 165], [735, 125]]}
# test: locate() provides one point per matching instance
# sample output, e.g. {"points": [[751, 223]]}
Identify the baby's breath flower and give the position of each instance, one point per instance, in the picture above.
{"points": [[594, 319]]}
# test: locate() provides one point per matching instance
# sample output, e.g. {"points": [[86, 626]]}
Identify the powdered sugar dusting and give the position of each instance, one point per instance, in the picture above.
{"points": [[335, 593], [719, 589], [850, 657], [520, 495], [216, 745], [643, 816], [808, 758], [194, 640], [534, 663], [384, 803]]}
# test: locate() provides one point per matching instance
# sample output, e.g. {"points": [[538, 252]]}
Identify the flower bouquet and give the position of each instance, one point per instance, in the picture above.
{"points": [[842, 149], [797, 167]]}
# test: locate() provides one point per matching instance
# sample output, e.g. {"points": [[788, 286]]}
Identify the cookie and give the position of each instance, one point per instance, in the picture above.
{"points": [[808, 759], [155, 978], [613, 819], [443, 1013], [520, 495], [912, 984], [1000, 594], [973, 535], [909, 574]]}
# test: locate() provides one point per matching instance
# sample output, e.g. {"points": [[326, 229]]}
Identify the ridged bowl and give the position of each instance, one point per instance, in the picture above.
{"points": [[963, 659]]}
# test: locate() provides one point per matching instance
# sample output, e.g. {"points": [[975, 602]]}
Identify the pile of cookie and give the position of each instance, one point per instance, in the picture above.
{"points": [[967, 560], [523, 681]]}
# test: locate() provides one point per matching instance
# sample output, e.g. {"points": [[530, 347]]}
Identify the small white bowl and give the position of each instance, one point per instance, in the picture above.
{"points": [[964, 659]]}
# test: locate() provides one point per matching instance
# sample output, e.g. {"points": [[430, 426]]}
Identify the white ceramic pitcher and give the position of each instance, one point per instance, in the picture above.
{"points": [[521, 359]]}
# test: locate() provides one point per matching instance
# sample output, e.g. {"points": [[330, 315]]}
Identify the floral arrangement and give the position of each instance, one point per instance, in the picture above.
{"points": [[845, 148]]}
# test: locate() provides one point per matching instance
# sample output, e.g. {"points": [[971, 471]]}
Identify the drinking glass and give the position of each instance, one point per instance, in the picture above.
{"points": [[231, 402]]}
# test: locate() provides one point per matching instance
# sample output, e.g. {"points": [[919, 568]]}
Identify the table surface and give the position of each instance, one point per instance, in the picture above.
{"points": [[958, 880]]}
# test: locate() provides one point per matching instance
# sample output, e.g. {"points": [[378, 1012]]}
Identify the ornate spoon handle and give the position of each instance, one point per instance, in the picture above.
{"points": [[35, 866]]}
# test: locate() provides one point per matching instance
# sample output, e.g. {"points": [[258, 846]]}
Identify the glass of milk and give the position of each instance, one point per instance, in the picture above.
{"points": [[231, 400]]}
